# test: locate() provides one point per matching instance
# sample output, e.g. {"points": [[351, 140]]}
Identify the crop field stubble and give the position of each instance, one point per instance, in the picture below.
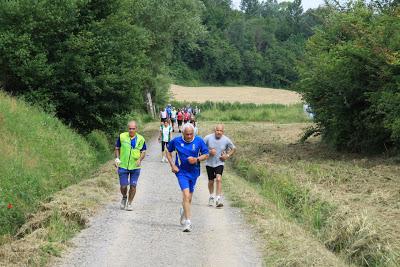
{"points": [[241, 94]]}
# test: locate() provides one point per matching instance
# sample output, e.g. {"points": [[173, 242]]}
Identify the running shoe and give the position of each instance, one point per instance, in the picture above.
{"points": [[182, 214], [219, 202], [123, 203], [187, 227], [211, 201], [129, 207]]}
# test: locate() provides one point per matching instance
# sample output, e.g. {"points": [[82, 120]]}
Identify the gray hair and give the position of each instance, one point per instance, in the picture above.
{"points": [[186, 126]]}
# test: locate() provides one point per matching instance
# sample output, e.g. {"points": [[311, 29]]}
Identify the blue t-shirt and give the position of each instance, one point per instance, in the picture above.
{"points": [[185, 150], [133, 143], [169, 111]]}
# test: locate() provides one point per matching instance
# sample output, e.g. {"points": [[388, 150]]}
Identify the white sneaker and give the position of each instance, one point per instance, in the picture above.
{"points": [[182, 214], [129, 207], [123, 203], [219, 202], [211, 201], [187, 227]]}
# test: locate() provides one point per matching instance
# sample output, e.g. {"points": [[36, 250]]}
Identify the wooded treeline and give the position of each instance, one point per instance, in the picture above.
{"points": [[91, 62]]}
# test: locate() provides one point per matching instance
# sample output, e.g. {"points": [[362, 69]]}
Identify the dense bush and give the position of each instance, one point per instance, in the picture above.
{"points": [[87, 61], [351, 78]]}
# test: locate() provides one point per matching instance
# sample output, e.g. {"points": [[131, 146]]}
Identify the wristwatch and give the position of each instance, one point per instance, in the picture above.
{"points": [[198, 161]]}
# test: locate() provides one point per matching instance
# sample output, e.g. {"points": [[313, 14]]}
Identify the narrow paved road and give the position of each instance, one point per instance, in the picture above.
{"points": [[151, 235]]}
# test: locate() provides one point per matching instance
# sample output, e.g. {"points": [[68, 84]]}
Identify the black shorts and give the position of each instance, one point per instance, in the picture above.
{"points": [[163, 119], [213, 171], [180, 122], [163, 145]]}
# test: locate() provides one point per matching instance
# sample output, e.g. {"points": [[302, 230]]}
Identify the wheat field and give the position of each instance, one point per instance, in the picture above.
{"points": [[243, 94]]}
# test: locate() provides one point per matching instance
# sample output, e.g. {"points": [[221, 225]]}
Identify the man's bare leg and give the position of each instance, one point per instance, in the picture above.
{"points": [[124, 190], [219, 200], [211, 186], [186, 203], [132, 192], [219, 184]]}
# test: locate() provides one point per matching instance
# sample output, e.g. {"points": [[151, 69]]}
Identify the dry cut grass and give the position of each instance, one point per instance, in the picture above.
{"points": [[350, 202], [243, 94]]}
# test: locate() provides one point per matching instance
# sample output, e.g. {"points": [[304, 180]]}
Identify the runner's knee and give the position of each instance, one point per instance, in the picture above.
{"points": [[186, 195]]}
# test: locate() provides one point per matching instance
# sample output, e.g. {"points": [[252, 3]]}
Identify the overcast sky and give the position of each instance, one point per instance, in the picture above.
{"points": [[306, 3]]}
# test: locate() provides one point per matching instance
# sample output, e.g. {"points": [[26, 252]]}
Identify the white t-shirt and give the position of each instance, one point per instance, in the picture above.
{"points": [[165, 131], [164, 114]]}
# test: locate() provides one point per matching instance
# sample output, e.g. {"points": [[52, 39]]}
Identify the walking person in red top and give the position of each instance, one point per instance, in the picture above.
{"points": [[186, 116], [179, 117]]}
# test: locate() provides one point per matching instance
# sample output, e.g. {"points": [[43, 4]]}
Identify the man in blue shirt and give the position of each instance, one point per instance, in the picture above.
{"points": [[190, 151], [168, 109]]}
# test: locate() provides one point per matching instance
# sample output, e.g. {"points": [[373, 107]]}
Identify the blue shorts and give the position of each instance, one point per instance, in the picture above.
{"points": [[185, 181], [128, 177]]}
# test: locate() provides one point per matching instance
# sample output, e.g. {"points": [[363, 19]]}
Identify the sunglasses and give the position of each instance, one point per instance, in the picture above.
{"points": [[132, 128]]}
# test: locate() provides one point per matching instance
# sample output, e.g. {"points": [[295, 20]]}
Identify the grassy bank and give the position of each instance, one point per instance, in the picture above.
{"points": [[51, 180], [347, 202], [38, 157], [46, 233]]}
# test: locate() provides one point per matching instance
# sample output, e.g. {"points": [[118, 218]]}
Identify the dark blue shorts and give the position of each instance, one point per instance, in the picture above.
{"points": [[186, 182], [128, 177]]}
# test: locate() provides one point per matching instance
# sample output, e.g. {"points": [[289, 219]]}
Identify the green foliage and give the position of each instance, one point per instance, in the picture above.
{"points": [[259, 46], [39, 156], [87, 61], [351, 78], [98, 141]]}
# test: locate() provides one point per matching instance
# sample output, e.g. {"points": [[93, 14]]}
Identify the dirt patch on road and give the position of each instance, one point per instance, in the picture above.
{"points": [[242, 94]]}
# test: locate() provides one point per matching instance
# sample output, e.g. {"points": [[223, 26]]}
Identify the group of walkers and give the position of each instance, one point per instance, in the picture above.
{"points": [[189, 148], [179, 116]]}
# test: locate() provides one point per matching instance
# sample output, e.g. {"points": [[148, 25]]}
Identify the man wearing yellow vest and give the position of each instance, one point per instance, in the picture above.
{"points": [[130, 150]]}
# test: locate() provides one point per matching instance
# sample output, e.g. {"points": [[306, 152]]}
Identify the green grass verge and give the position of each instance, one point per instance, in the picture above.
{"points": [[284, 242], [224, 112], [294, 200], [39, 156]]}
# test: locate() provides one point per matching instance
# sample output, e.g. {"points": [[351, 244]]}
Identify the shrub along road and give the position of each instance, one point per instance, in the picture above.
{"points": [[150, 235]]}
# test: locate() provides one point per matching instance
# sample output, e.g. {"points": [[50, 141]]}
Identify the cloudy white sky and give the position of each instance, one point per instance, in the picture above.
{"points": [[306, 3]]}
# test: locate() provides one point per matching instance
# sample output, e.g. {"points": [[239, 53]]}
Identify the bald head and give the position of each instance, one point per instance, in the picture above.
{"points": [[219, 130], [132, 128]]}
